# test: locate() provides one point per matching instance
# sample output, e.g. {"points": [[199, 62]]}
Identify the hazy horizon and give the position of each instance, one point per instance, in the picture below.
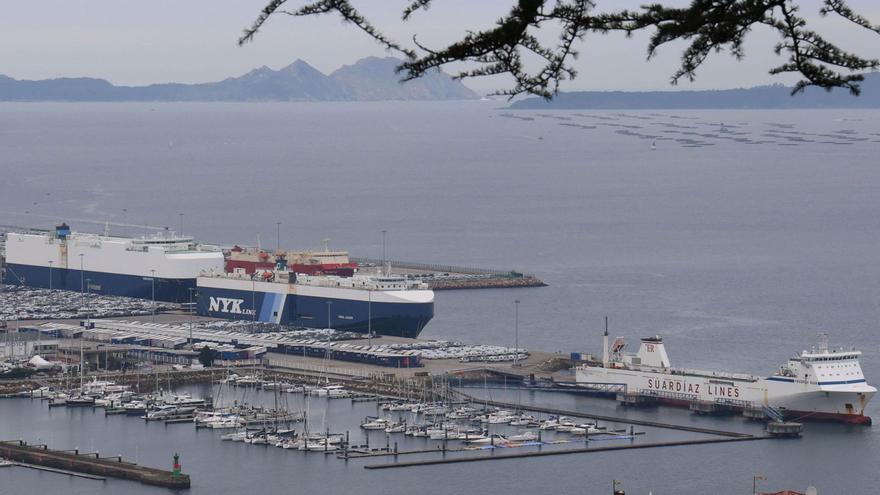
{"points": [[135, 43]]}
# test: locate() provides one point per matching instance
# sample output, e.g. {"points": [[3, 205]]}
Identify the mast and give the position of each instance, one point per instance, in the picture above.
{"points": [[81, 364], [605, 345]]}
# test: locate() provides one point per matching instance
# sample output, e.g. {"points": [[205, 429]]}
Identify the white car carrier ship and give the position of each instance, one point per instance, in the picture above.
{"points": [[819, 384], [163, 267]]}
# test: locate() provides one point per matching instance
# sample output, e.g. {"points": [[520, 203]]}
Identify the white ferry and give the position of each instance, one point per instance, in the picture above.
{"points": [[819, 384]]}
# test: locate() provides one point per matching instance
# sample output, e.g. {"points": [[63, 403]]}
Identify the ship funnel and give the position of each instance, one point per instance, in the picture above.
{"points": [[652, 352], [62, 231]]}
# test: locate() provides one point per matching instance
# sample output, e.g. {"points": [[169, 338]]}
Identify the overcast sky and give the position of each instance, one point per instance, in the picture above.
{"points": [[140, 42]]}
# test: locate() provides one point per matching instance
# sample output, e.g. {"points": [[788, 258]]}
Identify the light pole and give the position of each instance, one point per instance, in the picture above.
{"points": [[88, 313], [181, 224], [383, 249], [516, 333], [330, 327], [191, 342], [277, 236], [153, 295], [125, 222], [82, 284], [329, 323], [50, 274], [370, 316]]}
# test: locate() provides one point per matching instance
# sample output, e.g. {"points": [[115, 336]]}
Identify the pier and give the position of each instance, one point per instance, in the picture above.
{"points": [[89, 465], [449, 277], [585, 450]]}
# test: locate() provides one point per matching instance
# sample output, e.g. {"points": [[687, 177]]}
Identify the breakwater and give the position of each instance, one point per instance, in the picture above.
{"points": [[92, 464], [451, 277]]}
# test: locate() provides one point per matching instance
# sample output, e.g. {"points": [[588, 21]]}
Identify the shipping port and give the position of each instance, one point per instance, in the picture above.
{"points": [[318, 289], [265, 343]]}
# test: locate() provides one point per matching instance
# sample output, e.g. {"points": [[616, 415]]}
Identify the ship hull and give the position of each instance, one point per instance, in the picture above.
{"points": [[797, 401], [387, 314], [111, 284]]}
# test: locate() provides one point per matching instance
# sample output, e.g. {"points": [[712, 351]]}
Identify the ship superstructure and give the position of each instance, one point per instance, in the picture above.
{"points": [[326, 262], [384, 305], [164, 266], [818, 384]]}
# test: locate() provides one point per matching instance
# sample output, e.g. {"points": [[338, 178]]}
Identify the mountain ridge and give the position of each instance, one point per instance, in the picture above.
{"points": [[368, 79]]}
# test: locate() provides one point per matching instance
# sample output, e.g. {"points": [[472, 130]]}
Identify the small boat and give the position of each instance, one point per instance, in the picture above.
{"points": [[373, 423], [482, 440], [135, 408], [395, 428], [526, 436], [238, 436], [168, 410], [81, 401]]}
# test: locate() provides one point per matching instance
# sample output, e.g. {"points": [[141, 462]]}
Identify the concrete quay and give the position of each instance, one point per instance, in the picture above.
{"points": [[91, 464]]}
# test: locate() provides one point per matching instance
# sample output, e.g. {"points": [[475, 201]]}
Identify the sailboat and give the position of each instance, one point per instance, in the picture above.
{"points": [[81, 400]]}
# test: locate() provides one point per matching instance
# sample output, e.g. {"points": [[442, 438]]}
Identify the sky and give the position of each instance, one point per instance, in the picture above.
{"points": [[131, 42]]}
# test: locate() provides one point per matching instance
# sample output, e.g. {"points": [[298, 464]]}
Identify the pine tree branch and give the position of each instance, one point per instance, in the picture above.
{"points": [[708, 26]]}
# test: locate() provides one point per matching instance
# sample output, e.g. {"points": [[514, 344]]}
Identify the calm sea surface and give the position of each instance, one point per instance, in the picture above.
{"points": [[736, 235]]}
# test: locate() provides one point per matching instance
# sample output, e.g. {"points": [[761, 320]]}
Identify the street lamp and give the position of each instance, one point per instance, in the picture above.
{"points": [[277, 236], [384, 262], [125, 222], [329, 323], [82, 285], [88, 313], [181, 224], [191, 342], [370, 316], [153, 294], [516, 333], [50, 274], [329, 327]]}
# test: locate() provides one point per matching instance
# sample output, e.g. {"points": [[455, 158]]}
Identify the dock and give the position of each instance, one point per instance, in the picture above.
{"points": [[89, 465], [449, 277], [544, 453], [608, 419]]}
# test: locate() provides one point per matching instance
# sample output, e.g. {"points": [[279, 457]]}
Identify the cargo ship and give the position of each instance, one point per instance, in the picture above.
{"points": [[819, 384], [164, 266], [324, 262], [382, 304]]}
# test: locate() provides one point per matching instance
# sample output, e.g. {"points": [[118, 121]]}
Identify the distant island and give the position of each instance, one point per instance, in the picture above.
{"points": [[368, 79], [759, 97]]}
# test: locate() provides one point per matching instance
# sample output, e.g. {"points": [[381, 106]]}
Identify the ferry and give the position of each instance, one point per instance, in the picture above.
{"points": [[383, 304], [162, 267], [819, 384]]}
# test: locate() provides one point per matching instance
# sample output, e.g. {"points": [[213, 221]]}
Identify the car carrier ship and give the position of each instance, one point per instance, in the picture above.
{"points": [[383, 304], [164, 266], [819, 384]]}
